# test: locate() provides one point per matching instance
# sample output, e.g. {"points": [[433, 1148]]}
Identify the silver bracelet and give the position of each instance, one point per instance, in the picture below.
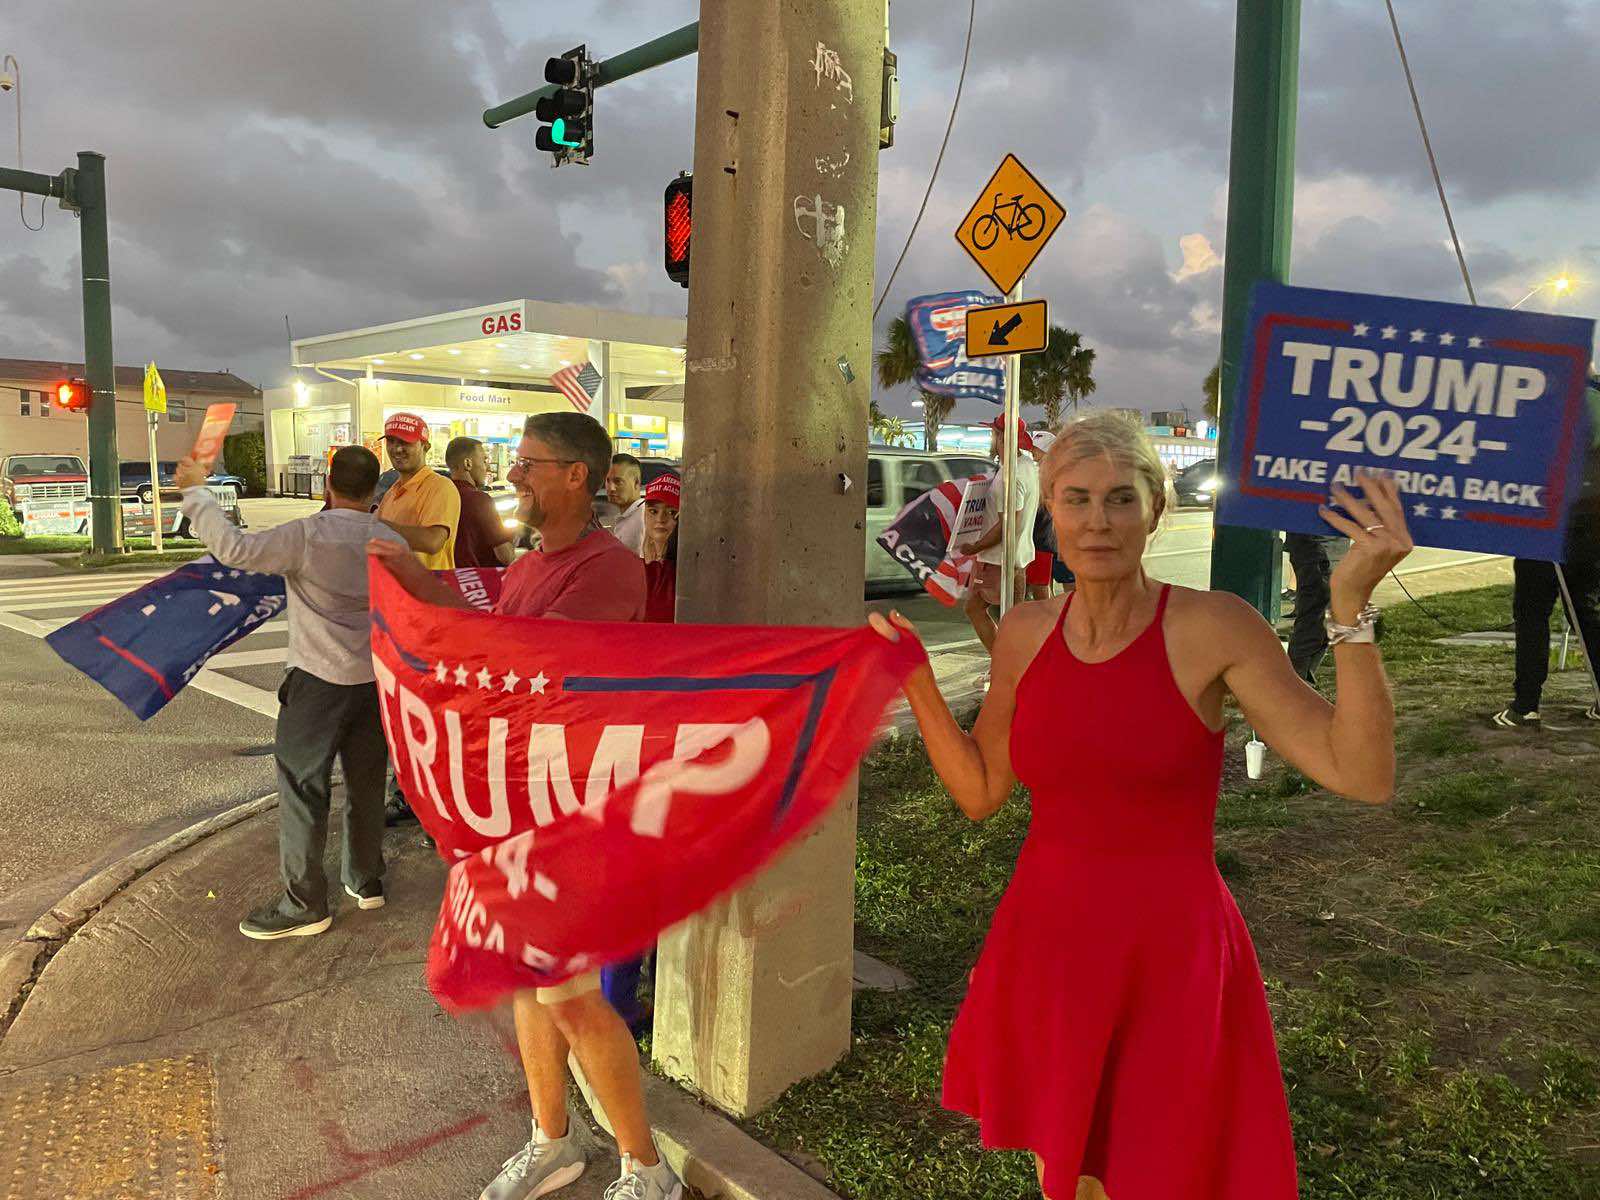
{"points": [[1365, 630]]}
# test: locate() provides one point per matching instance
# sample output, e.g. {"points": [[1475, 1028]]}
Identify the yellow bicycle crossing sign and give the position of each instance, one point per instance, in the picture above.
{"points": [[1012, 219]]}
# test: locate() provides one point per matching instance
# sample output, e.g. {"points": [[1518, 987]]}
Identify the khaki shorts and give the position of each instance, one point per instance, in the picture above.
{"points": [[569, 989]]}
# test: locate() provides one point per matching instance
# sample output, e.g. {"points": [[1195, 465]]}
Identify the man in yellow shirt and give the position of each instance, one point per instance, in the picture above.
{"points": [[422, 506]]}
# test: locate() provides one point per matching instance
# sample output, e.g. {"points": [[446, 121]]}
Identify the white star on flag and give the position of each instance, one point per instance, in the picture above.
{"points": [[1419, 335], [538, 683], [1388, 333], [1475, 343], [147, 609], [1449, 514], [216, 574], [510, 681], [1361, 330], [1420, 510], [484, 679], [440, 671], [1447, 339], [461, 675]]}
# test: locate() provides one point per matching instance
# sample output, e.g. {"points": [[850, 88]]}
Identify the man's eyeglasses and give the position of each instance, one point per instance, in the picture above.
{"points": [[522, 464]]}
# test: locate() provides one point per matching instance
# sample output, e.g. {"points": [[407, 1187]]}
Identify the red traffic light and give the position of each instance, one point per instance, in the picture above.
{"points": [[73, 395], [679, 227]]}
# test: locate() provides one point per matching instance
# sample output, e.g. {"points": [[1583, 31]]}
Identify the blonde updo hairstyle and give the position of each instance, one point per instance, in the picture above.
{"points": [[1121, 439]]}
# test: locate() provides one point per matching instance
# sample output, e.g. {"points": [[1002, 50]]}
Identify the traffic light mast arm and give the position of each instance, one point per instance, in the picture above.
{"points": [[680, 43], [32, 182]]}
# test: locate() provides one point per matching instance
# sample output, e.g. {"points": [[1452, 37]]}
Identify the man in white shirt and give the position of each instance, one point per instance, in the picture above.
{"points": [[987, 578], [622, 489], [328, 702]]}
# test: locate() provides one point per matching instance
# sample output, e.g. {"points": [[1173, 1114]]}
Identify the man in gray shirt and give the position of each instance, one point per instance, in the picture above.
{"points": [[328, 702]]}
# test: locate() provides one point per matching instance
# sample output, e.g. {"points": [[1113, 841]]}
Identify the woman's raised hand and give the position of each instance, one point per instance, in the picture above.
{"points": [[1375, 523]]}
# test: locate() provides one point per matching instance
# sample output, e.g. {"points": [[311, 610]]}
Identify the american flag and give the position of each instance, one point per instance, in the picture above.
{"points": [[578, 383]]}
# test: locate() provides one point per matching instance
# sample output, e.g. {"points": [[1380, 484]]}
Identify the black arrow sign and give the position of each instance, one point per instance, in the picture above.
{"points": [[1001, 334]]}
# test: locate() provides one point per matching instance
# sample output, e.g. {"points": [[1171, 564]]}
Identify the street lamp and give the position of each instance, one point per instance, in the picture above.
{"points": [[1561, 285]]}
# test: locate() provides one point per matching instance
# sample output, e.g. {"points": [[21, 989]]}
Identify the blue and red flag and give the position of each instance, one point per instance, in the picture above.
{"points": [[938, 326], [144, 646]]}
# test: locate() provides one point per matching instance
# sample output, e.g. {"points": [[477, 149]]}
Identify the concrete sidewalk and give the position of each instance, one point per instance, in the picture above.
{"points": [[162, 1054]]}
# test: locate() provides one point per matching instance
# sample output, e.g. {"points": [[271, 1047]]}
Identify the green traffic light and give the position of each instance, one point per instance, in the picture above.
{"points": [[558, 134]]}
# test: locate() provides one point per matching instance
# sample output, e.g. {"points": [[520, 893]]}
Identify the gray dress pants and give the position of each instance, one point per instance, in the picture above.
{"points": [[318, 720]]}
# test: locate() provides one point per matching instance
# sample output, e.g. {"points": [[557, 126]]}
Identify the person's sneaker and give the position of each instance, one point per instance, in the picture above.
{"points": [[1592, 713], [1510, 718], [269, 922], [538, 1169], [370, 896], [659, 1182]]}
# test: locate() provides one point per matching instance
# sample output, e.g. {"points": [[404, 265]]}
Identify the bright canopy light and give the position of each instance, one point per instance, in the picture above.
{"points": [[1561, 283]]}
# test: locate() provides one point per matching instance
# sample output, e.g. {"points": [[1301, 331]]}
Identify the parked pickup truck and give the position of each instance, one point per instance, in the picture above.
{"points": [[47, 493]]}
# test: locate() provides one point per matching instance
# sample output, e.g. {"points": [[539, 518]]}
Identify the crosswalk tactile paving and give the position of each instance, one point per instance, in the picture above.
{"points": [[132, 1132]]}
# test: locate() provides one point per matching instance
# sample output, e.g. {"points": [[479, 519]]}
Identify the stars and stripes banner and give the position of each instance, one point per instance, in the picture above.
{"points": [[579, 383], [923, 535], [593, 784], [1478, 414], [144, 646]]}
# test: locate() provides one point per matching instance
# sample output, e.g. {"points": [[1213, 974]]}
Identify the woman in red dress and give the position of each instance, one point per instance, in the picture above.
{"points": [[1116, 1024]]}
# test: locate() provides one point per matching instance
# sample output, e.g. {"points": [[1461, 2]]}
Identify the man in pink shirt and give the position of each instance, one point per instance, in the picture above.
{"points": [[579, 573]]}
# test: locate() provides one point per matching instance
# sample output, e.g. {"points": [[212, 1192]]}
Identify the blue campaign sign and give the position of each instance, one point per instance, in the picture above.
{"points": [[939, 329], [1477, 413]]}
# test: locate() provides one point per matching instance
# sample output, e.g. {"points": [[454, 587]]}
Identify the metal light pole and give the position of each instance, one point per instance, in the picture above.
{"points": [[83, 189], [99, 367], [1266, 80]]}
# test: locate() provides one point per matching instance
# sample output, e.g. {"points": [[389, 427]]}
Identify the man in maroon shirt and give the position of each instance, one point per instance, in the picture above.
{"points": [[580, 572], [482, 539]]}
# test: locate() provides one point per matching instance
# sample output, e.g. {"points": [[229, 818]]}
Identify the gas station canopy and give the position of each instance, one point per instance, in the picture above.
{"points": [[519, 341]]}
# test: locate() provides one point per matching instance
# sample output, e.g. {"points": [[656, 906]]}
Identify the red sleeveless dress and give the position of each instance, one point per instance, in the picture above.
{"points": [[1116, 1022]]}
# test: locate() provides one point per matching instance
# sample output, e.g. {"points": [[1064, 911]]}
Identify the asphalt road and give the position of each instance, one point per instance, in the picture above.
{"points": [[83, 782]]}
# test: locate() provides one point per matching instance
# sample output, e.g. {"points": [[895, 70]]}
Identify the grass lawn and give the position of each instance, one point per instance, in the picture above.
{"points": [[1433, 966]]}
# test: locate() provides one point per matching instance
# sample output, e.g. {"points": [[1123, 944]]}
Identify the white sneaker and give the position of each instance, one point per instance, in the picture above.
{"points": [[659, 1182], [539, 1168]]}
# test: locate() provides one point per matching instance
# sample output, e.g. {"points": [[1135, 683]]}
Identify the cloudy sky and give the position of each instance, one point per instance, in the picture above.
{"points": [[325, 159]]}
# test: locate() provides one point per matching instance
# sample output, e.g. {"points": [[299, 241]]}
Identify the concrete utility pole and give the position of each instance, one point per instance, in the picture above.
{"points": [[1266, 84], [754, 993]]}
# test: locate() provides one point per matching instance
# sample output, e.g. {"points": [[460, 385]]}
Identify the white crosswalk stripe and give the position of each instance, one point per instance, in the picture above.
{"points": [[39, 605]]}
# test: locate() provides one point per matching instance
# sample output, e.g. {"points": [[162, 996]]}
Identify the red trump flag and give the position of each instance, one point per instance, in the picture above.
{"points": [[592, 784]]}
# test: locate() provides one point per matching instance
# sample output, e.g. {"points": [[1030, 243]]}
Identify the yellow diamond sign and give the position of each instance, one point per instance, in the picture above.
{"points": [[1013, 218], [155, 390]]}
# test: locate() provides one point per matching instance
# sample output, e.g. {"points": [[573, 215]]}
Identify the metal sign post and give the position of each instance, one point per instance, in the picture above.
{"points": [[155, 403], [155, 482], [1008, 472]]}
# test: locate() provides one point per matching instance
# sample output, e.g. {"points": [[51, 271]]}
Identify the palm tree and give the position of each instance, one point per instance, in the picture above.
{"points": [[897, 363], [1212, 387], [1062, 373]]}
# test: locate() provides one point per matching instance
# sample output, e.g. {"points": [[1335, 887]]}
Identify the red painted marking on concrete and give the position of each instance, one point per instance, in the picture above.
{"points": [[362, 1163]]}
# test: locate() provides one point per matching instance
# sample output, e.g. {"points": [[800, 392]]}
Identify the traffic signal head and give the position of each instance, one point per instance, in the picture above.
{"points": [[679, 227], [566, 127], [72, 395]]}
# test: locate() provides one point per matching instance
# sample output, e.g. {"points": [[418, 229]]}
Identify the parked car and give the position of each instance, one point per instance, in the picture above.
{"points": [[45, 492], [895, 477], [1197, 484], [135, 480]]}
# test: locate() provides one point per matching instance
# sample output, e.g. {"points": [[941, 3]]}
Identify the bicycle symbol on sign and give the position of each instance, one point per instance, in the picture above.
{"points": [[1025, 221]]}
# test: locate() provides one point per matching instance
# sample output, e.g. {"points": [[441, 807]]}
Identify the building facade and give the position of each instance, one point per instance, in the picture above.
{"points": [[31, 424]]}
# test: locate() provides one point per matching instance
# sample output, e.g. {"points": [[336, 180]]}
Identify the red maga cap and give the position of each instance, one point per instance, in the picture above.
{"points": [[663, 489], [406, 427]]}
